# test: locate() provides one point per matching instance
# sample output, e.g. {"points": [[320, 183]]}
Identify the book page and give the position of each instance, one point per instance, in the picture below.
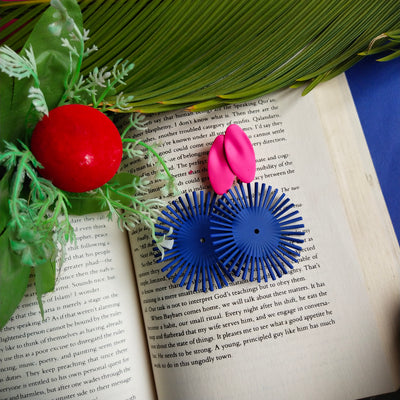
{"points": [[91, 344], [359, 187], [314, 332]]}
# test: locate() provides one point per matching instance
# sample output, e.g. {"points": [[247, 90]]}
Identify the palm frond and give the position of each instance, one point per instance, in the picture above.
{"points": [[202, 54]]}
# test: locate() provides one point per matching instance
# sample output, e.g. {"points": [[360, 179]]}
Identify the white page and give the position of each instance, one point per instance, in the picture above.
{"points": [[310, 334], [91, 344], [365, 205]]}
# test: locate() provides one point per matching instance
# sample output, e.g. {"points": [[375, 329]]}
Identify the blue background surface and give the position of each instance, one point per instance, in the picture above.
{"points": [[375, 87]]}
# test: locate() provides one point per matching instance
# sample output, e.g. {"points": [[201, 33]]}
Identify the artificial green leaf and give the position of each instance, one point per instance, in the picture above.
{"points": [[7, 132], [45, 278], [125, 182], [14, 277], [92, 202], [53, 61], [4, 197], [53, 64], [84, 203]]}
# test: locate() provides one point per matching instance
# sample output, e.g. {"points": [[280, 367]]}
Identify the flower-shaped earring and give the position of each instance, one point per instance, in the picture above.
{"points": [[192, 259], [256, 234]]}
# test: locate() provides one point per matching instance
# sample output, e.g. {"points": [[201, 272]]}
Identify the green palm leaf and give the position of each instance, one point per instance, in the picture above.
{"points": [[202, 54]]}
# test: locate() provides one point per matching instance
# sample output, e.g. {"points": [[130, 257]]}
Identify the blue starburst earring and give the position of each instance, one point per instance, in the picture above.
{"points": [[256, 233], [192, 259]]}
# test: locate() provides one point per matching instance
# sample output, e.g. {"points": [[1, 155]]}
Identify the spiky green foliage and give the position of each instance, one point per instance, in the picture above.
{"points": [[34, 214], [202, 54], [387, 42], [35, 233]]}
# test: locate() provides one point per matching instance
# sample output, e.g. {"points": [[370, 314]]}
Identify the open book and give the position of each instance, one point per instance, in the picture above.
{"points": [[117, 328]]}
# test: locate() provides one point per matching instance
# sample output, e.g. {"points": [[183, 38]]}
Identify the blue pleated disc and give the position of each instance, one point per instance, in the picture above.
{"points": [[192, 260], [256, 233]]}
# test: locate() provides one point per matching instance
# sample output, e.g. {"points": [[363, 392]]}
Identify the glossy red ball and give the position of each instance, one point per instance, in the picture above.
{"points": [[78, 146]]}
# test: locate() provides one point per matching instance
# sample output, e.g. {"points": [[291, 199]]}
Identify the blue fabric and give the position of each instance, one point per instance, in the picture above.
{"points": [[375, 87]]}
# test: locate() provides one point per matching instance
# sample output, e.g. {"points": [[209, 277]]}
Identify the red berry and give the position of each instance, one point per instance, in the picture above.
{"points": [[78, 146]]}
